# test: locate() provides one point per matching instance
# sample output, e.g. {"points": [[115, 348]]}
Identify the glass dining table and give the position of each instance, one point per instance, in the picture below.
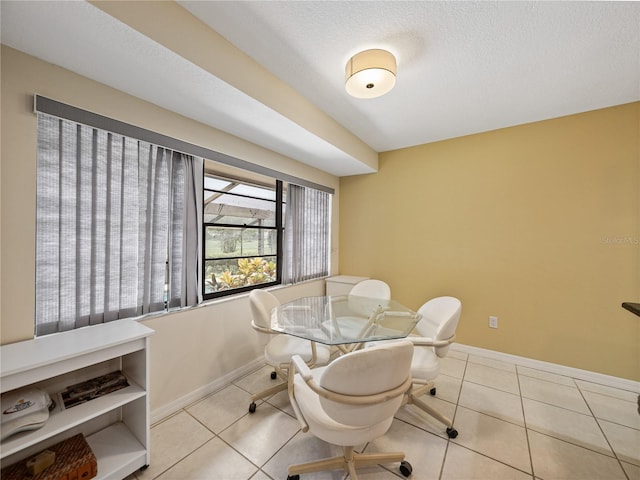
{"points": [[346, 321]]}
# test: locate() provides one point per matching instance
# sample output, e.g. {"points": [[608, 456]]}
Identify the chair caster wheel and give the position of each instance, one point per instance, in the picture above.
{"points": [[432, 391], [293, 477], [452, 432], [252, 407], [274, 375], [405, 468]]}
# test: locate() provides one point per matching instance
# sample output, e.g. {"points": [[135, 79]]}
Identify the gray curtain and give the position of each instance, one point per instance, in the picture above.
{"points": [[306, 234], [186, 232], [115, 218]]}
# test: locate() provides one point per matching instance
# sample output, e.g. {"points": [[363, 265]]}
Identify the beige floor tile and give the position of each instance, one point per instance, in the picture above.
{"points": [[625, 441], [214, 460], [555, 459], [457, 354], [447, 388], [633, 471], [606, 390], [257, 381], [613, 409], [494, 438], [221, 409], [567, 425], [462, 463], [281, 401], [453, 367], [260, 435], [499, 404], [376, 473], [304, 447], [504, 380], [549, 377], [424, 451], [553, 394], [490, 362], [419, 418], [260, 475], [171, 441]]}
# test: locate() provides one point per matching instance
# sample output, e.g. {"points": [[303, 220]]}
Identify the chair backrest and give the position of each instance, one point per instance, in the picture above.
{"points": [[262, 302], [363, 373], [372, 288], [439, 320]]}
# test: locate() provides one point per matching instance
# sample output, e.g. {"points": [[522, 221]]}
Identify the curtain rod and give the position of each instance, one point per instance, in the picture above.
{"points": [[85, 117]]}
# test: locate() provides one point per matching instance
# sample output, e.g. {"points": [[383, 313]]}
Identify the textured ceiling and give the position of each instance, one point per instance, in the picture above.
{"points": [[463, 67]]}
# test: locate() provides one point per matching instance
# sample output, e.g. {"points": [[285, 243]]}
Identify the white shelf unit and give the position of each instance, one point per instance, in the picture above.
{"points": [[116, 425]]}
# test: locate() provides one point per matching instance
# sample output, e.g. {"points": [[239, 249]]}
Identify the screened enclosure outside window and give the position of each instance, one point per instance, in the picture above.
{"points": [[242, 235]]}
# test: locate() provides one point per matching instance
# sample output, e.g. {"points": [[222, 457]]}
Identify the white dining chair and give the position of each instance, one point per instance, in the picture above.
{"points": [[434, 333], [351, 402], [372, 288], [279, 348]]}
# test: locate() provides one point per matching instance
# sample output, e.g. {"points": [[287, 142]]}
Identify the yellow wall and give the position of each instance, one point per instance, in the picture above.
{"points": [[536, 224]]}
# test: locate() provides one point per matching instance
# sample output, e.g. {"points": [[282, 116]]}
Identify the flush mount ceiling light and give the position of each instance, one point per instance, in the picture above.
{"points": [[370, 74]]}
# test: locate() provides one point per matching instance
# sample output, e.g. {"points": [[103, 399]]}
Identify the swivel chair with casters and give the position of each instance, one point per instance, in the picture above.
{"points": [[278, 347], [372, 288], [433, 334], [350, 402]]}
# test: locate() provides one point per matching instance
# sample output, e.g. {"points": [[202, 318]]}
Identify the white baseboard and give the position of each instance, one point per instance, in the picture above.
{"points": [[165, 411], [587, 376]]}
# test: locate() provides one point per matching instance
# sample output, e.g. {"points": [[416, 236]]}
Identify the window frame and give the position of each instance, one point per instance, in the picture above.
{"points": [[278, 188]]}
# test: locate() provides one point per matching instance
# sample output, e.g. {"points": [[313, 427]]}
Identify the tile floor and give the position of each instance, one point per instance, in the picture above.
{"points": [[514, 422]]}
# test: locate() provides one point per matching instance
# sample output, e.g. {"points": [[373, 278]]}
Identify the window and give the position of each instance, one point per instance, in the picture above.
{"points": [[259, 231], [242, 235], [130, 222]]}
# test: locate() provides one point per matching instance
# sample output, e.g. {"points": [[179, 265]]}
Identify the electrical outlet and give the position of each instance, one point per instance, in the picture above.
{"points": [[493, 322]]}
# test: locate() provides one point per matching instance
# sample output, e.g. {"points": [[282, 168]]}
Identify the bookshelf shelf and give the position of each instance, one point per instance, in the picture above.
{"points": [[115, 425]]}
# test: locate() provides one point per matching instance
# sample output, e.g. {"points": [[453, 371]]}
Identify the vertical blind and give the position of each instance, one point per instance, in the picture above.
{"points": [[306, 234], [118, 227]]}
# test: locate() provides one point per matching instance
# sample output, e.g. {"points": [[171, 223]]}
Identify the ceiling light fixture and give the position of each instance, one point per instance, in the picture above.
{"points": [[370, 74]]}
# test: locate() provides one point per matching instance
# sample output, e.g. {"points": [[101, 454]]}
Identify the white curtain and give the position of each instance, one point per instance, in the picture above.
{"points": [[116, 218], [306, 234]]}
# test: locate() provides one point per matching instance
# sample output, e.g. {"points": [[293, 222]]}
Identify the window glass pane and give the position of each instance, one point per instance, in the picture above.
{"points": [[233, 209], [227, 242], [227, 274], [212, 183], [266, 193]]}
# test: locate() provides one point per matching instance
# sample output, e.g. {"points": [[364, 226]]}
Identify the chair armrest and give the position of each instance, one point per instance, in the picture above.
{"points": [[301, 367], [430, 342], [305, 372], [263, 329]]}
